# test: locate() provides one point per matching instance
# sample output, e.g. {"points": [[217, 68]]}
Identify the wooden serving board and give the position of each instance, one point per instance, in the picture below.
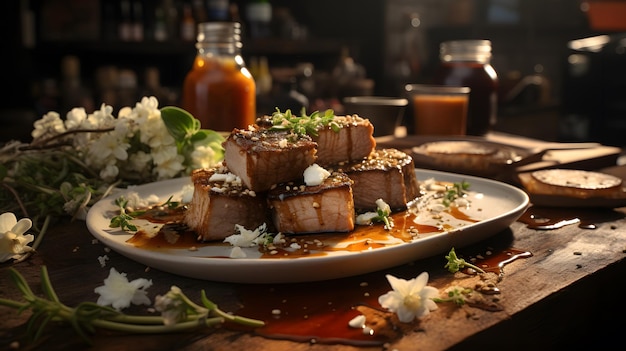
{"points": [[586, 156]]}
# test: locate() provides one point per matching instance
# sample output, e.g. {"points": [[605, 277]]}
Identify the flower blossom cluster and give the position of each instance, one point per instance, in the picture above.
{"points": [[120, 293], [13, 238], [135, 145]]}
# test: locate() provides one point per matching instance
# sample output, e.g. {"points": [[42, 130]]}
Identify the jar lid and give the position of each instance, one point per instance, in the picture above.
{"points": [[219, 33]]}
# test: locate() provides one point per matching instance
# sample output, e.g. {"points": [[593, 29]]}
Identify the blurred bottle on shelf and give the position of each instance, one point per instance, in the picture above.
{"points": [[350, 77], [263, 78], [199, 11], [259, 16], [187, 24], [160, 24], [137, 25], [218, 10], [124, 27], [468, 63], [172, 22], [219, 90]]}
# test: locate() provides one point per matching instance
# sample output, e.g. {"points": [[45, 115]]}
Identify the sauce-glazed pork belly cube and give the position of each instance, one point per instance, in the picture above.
{"points": [[325, 208], [387, 174], [353, 141], [219, 202], [262, 158], [350, 138]]}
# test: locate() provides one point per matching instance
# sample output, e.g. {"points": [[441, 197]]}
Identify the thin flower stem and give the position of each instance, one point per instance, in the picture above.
{"points": [[17, 198], [12, 303], [125, 318], [83, 205], [227, 316], [154, 329], [42, 232], [88, 315], [47, 285], [44, 142]]}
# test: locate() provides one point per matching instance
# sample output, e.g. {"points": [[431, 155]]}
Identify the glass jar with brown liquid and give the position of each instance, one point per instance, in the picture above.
{"points": [[219, 90], [468, 63]]}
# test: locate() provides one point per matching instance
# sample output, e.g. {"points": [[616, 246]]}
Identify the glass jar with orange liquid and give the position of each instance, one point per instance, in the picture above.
{"points": [[467, 63], [219, 90]]}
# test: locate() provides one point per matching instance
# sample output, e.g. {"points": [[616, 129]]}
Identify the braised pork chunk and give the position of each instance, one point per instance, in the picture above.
{"points": [[263, 158], [353, 141], [219, 202], [328, 207], [387, 174]]}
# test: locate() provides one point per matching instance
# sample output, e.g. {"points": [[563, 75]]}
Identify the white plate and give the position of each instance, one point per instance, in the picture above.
{"points": [[496, 204]]}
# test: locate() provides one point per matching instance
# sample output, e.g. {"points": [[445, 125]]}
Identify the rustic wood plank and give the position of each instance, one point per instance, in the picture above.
{"points": [[568, 286]]}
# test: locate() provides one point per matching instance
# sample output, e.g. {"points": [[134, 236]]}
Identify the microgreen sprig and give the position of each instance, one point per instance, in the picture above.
{"points": [[456, 191], [87, 316], [384, 216], [455, 263], [122, 220], [456, 295], [304, 124]]}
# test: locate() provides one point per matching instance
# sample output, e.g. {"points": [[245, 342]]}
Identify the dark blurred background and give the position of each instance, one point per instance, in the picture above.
{"points": [[561, 63]]}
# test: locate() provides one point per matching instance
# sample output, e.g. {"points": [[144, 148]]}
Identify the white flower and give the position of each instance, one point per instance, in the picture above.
{"points": [[109, 172], [171, 306], [75, 118], [366, 218], [50, 124], [170, 167], [140, 162], [118, 292], [247, 238], [13, 242], [202, 156], [383, 206], [135, 201], [382, 212], [102, 118], [109, 145], [409, 299], [176, 307]]}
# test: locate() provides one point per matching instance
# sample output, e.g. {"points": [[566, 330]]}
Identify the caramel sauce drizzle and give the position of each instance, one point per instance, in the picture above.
{"points": [[175, 234]]}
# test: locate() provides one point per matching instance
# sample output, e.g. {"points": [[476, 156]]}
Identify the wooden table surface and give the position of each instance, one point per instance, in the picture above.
{"points": [[567, 294]]}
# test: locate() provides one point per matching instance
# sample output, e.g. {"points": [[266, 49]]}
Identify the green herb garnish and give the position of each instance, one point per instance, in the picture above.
{"points": [[384, 216], [304, 124], [457, 190], [123, 219], [455, 263], [456, 295]]}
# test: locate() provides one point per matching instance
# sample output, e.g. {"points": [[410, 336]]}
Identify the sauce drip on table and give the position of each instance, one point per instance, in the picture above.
{"points": [[550, 218], [320, 312]]}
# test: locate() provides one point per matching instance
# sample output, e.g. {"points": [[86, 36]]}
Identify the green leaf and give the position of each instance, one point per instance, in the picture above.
{"points": [[210, 136], [179, 122]]}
